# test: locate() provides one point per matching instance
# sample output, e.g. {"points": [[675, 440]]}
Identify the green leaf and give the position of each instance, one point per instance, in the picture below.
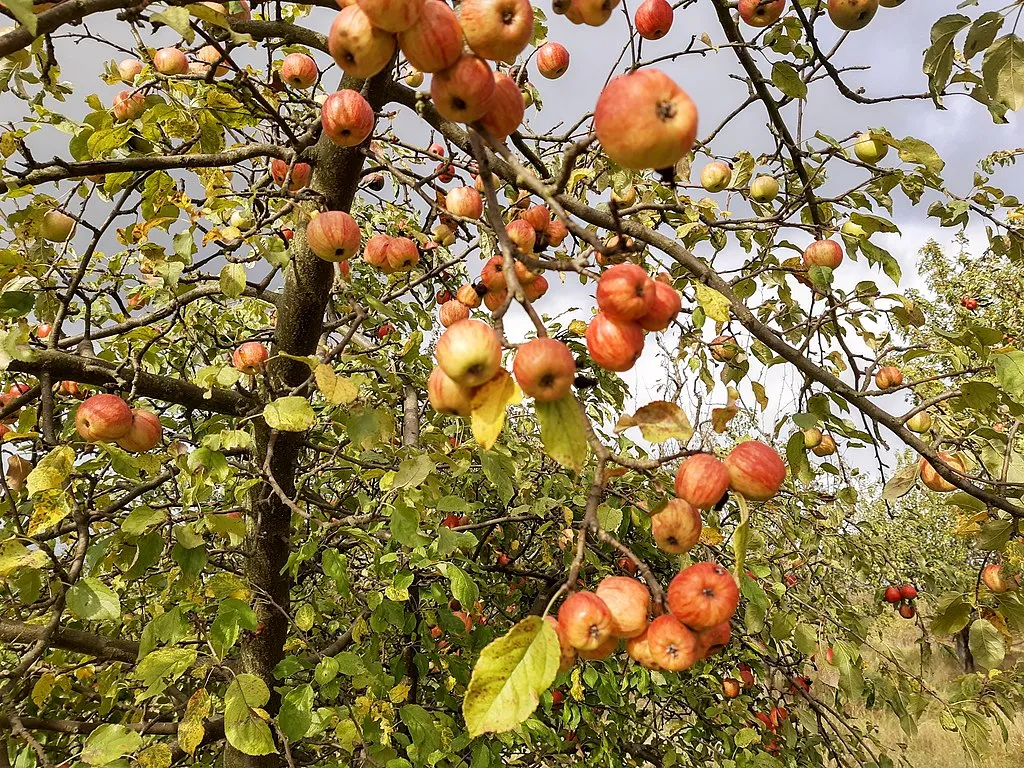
{"points": [[232, 280], [745, 737], [141, 519], [1010, 372], [177, 18], [788, 81], [796, 457], [500, 471], [245, 722], [296, 713], [995, 534], [92, 600], [952, 615], [1003, 71], [805, 637], [562, 432], [423, 732], [109, 743], [714, 304], [900, 483], [405, 526], [938, 59], [510, 676], [983, 31], [464, 589], [921, 152], [289, 414], [986, 644], [162, 667], [609, 518], [413, 471]]}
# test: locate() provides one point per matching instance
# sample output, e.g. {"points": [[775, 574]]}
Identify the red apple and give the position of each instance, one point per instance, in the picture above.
{"points": [[664, 308], [545, 369], [299, 70], [676, 529], [522, 234], [465, 202], [629, 602], [724, 348], [628, 565], [585, 620], [128, 106], [552, 60], [703, 595], [936, 482], [170, 61], [493, 274], [447, 396], [702, 480], [714, 639], [625, 292], [823, 253], [613, 344], [761, 13], [403, 254], [347, 118], [603, 651], [888, 377], [506, 110], [43, 330], [567, 654], [469, 352], [892, 595], [969, 303], [301, 173], [644, 120], [358, 47], [908, 592], [391, 15], [992, 576], [495, 299], [673, 646], [908, 611], [468, 295], [536, 289], [653, 19], [452, 312], [144, 434], [375, 253], [730, 688], [434, 42], [755, 470], [463, 93], [128, 69], [640, 651], [538, 216], [70, 388], [103, 418], [250, 357], [333, 236], [556, 232], [497, 29]]}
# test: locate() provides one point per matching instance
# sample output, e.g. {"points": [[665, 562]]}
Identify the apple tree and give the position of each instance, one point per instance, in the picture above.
{"points": [[316, 453]]}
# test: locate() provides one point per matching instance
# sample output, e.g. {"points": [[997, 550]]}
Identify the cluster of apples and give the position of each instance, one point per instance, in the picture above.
{"points": [[629, 303], [109, 419], [847, 15], [701, 600], [717, 175], [903, 597]]}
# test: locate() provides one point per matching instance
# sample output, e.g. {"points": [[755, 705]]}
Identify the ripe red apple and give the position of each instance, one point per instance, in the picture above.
{"points": [[250, 357], [703, 595], [640, 651], [629, 602], [676, 529], [653, 19], [538, 217], [497, 29], [933, 480], [56, 226], [128, 69], [536, 289], [567, 654], [585, 620], [826, 446], [358, 47], [469, 295], [434, 42], [333, 236], [299, 70], [493, 274], [545, 369], [673, 646], [347, 118], [103, 418], [830, 656], [463, 93], [603, 651], [755, 470], [506, 110], [469, 352], [128, 106], [452, 312], [969, 303], [714, 639], [403, 254], [209, 56], [908, 592], [170, 61], [851, 15], [702, 480], [495, 299], [301, 173], [888, 377], [908, 611], [724, 348], [761, 13], [746, 675], [522, 234], [644, 120], [447, 396], [892, 595], [613, 344], [823, 253], [730, 688], [385, 330], [556, 232], [375, 253], [664, 307], [145, 432], [70, 388], [465, 202], [992, 576], [391, 15], [625, 292], [552, 60], [715, 176], [43, 330], [13, 393]]}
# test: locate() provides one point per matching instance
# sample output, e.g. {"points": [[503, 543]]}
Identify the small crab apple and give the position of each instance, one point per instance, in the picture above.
{"points": [[333, 236], [497, 29], [825, 447], [888, 377], [464, 92], [301, 173], [128, 106], [715, 176], [452, 312], [506, 110], [936, 482], [347, 118], [614, 345], [144, 433], [552, 60], [755, 470], [103, 418], [629, 602], [908, 592], [43, 330], [585, 621], [851, 15], [434, 42], [663, 310], [703, 595], [567, 654], [465, 202], [391, 15], [625, 292], [823, 253], [764, 189], [250, 357], [653, 19], [730, 688], [170, 61], [469, 352], [813, 437], [414, 79], [724, 348], [676, 529], [299, 70], [447, 396], [761, 13], [892, 595], [644, 120], [920, 422], [907, 611], [869, 149], [672, 645], [702, 480], [544, 369], [969, 303], [357, 46]]}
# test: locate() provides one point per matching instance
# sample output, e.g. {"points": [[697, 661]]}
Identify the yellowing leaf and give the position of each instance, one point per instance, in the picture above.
{"points": [[489, 404], [14, 555], [400, 692], [52, 470], [714, 304], [578, 327], [659, 421], [338, 390], [50, 509], [289, 414], [711, 537], [562, 432], [190, 730], [157, 756]]}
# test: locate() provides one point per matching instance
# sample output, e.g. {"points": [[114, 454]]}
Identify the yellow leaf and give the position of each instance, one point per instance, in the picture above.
{"points": [[190, 730], [400, 692], [711, 537], [50, 508], [41, 690], [714, 304], [489, 405], [336, 389], [157, 756], [659, 421], [578, 328]]}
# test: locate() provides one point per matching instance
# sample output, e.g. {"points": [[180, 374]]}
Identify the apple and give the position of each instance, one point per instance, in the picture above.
{"points": [[497, 29], [653, 19], [557, 697], [375, 253], [851, 15], [672, 645], [464, 202], [761, 13], [445, 172], [358, 47], [544, 369], [825, 447], [812, 437], [493, 274], [447, 396], [869, 149], [644, 120], [250, 357], [920, 422], [933, 480], [442, 296], [664, 307], [534, 290], [676, 529], [210, 55], [703, 595], [992, 576], [103, 418], [892, 595], [969, 303], [746, 675], [890, 3], [730, 688], [128, 69], [755, 470], [627, 199], [452, 312], [888, 377], [908, 592], [43, 330], [522, 234], [301, 173], [628, 565], [538, 217], [434, 42], [715, 176], [391, 15], [333, 236], [144, 433], [493, 300], [451, 522], [375, 181], [403, 255], [764, 189], [585, 620], [907, 611], [702, 481], [299, 70], [385, 330], [70, 388], [464, 92], [170, 61], [714, 639], [347, 118], [823, 253], [506, 110], [614, 345], [629, 602], [830, 656], [556, 232], [469, 352], [593, 13], [128, 106], [414, 79], [552, 60], [640, 651], [468, 295], [56, 226], [625, 292]]}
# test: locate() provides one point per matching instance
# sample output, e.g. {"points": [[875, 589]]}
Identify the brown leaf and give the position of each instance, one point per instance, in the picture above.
{"points": [[659, 421]]}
